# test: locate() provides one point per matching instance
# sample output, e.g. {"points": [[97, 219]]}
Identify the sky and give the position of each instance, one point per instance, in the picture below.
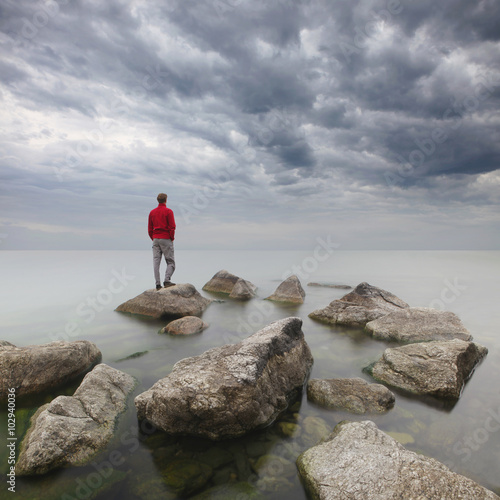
{"points": [[270, 124]]}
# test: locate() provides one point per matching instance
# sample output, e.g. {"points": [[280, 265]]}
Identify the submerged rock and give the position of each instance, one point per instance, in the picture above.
{"points": [[352, 394], [437, 368], [186, 476], [174, 302], [231, 390], [189, 325], [418, 324], [359, 461], [365, 303], [71, 430], [236, 287], [290, 291], [330, 285], [37, 368]]}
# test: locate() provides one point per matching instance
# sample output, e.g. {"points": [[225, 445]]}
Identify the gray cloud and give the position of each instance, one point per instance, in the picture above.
{"points": [[247, 112]]}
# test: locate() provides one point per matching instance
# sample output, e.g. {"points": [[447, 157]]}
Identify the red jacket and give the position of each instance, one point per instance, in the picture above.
{"points": [[161, 223]]}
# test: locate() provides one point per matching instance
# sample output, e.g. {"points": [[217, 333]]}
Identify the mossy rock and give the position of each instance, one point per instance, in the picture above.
{"points": [[146, 486], [314, 429], [402, 437], [230, 491], [186, 476], [288, 429], [274, 466]]}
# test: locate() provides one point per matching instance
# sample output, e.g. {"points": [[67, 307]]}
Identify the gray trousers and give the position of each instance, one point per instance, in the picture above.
{"points": [[166, 248]]}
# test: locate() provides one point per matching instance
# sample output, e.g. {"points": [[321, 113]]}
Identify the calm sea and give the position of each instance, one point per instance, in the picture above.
{"points": [[51, 295]]}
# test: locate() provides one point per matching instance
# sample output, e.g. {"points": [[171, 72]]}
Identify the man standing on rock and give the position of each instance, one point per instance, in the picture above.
{"points": [[161, 229]]}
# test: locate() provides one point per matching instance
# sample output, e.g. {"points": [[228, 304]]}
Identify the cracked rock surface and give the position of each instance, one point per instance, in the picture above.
{"points": [[365, 303], [359, 461], [418, 324], [71, 430], [37, 368], [436, 368], [231, 390]]}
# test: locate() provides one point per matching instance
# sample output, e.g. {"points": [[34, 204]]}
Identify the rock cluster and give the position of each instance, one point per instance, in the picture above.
{"points": [[37, 368], [173, 302], [289, 291], [359, 461], [71, 430], [350, 394], [234, 286], [365, 303], [231, 390]]}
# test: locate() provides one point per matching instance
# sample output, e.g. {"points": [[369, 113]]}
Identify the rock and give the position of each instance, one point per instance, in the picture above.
{"points": [[437, 368], [418, 324], [231, 390], [188, 325], [330, 285], [173, 302], [186, 476], [234, 286], [289, 291], [313, 430], [351, 394], [37, 368], [71, 430], [365, 303], [231, 491], [359, 461], [243, 290]]}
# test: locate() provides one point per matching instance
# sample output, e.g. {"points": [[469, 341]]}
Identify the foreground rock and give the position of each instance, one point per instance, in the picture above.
{"points": [[352, 394], [189, 325], [437, 368], [231, 390], [37, 368], [173, 302], [365, 303], [234, 286], [71, 430], [418, 324], [290, 291], [359, 461]]}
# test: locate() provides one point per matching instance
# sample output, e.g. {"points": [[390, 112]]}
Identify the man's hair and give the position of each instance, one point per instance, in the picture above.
{"points": [[162, 198]]}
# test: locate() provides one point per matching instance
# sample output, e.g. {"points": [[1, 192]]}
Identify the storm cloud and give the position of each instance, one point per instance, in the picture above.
{"points": [[268, 123]]}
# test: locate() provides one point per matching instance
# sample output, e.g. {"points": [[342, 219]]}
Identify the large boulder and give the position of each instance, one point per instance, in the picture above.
{"points": [[230, 284], [231, 390], [37, 368], [352, 394], [437, 368], [189, 325], [71, 430], [290, 291], [365, 303], [360, 462], [418, 324], [172, 302]]}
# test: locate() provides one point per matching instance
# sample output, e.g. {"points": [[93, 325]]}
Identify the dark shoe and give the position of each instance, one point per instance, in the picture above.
{"points": [[166, 284], [158, 287]]}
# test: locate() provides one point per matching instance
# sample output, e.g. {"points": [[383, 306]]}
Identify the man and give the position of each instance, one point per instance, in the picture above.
{"points": [[161, 229]]}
